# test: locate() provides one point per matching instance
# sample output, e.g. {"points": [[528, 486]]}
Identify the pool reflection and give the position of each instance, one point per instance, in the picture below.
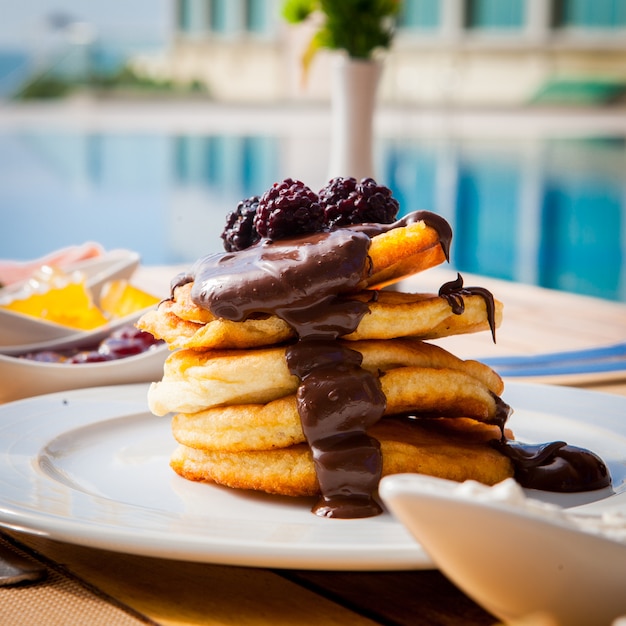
{"points": [[550, 213], [546, 212]]}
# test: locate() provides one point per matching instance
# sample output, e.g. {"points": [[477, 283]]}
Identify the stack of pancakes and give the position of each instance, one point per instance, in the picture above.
{"points": [[234, 399]]}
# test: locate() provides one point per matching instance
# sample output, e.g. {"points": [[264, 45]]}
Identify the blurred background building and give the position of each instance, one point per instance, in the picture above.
{"points": [[446, 52], [466, 52]]}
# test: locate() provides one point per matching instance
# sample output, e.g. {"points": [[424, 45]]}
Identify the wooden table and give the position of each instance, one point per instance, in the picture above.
{"points": [[98, 587]]}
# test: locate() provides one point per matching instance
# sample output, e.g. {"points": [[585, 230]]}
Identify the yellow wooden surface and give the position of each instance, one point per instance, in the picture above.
{"points": [[535, 320], [175, 593]]}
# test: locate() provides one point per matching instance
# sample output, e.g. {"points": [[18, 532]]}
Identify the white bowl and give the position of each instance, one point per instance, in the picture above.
{"points": [[512, 561], [21, 330], [24, 377]]}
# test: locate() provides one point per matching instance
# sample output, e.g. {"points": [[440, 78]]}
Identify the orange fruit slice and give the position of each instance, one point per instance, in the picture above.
{"points": [[70, 305]]}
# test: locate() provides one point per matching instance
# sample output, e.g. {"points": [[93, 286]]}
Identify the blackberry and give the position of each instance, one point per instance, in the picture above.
{"points": [[239, 232], [346, 201], [287, 209], [336, 190]]}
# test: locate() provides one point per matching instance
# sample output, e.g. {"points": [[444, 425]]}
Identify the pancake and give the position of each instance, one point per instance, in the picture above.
{"points": [[194, 381], [420, 446], [277, 424], [259, 378], [182, 324], [392, 254], [402, 252], [216, 334]]}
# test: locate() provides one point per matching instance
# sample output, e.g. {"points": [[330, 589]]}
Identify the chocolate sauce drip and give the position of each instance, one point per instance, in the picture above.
{"points": [[185, 277], [304, 281], [453, 293], [439, 224], [552, 466], [337, 402], [301, 280], [503, 412]]}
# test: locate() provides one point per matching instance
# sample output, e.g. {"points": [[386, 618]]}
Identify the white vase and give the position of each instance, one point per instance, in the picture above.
{"points": [[353, 104]]}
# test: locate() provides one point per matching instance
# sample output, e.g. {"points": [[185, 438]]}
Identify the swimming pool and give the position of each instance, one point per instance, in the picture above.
{"points": [[546, 210]]}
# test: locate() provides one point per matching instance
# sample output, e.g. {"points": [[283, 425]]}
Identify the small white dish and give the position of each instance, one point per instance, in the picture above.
{"points": [[74, 339], [513, 558], [22, 330], [27, 378], [17, 330]]}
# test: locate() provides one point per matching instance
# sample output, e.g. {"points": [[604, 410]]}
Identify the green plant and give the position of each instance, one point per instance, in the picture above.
{"points": [[44, 88], [359, 27]]}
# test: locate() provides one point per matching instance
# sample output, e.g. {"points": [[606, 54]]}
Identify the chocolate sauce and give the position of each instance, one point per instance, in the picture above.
{"points": [[305, 282], [553, 466], [296, 278], [337, 402], [300, 280], [453, 293]]}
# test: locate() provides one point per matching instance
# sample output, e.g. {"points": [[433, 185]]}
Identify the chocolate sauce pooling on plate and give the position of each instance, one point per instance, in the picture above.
{"points": [[554, 466], [305, 282]]}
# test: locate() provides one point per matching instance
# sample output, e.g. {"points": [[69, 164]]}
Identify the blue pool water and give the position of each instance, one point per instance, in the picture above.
{"points": [[553, 216], [551, 213]]}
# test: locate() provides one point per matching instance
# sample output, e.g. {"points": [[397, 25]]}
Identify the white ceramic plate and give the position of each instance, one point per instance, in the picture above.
{"points": [[22, 378], [91, 467]]}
